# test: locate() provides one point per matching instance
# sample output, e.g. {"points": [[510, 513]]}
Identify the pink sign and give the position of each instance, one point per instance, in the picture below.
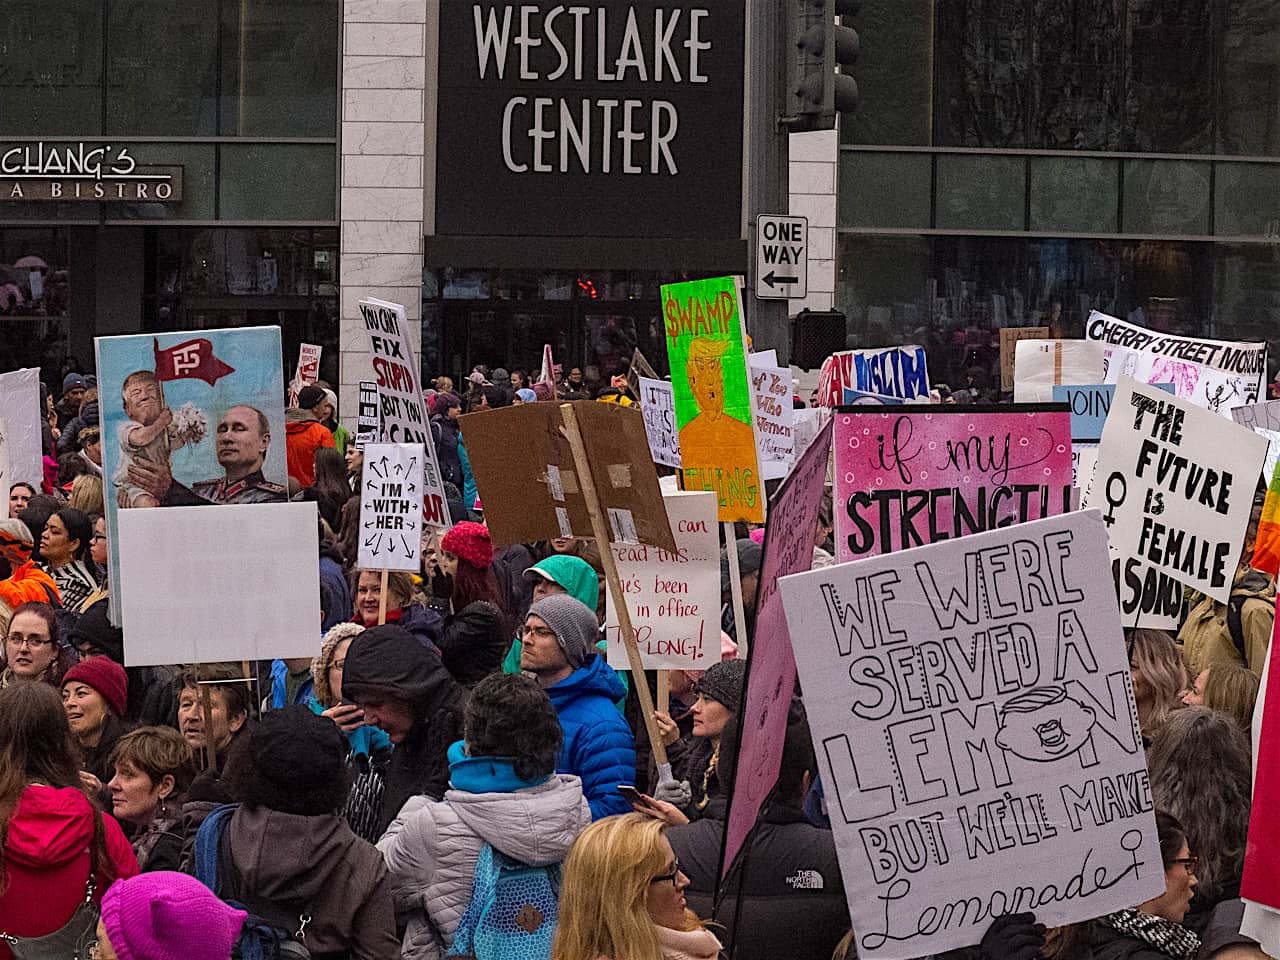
{"points": [[1260, 883], [918, 475], [771, 669]]}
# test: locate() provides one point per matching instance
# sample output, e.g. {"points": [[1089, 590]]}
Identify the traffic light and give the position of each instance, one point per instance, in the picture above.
{"points": [[818, 47]]}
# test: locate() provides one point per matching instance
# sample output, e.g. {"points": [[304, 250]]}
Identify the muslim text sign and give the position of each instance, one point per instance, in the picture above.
{"points": [[771, 666], [919, 475], [714, 408], [391, 506], [1175, 486], [900, 372], [973, 716], [673, 596]]}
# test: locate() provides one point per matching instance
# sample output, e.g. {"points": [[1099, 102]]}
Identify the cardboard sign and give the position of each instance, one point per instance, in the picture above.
{"points": [[918, 475], [658, 407], [673, 597], [20, 418], [973, 716], [1264, 420], [771, 666], [190, 422], [190, 591], [528, 482], [404, 412], [1009, 337], [775, 438], [1215, 390], [706, 346], [1041, 365], [1247, 360], [889, 371], [391, 507], [368, 414], [308, 371], [1175, 486]]}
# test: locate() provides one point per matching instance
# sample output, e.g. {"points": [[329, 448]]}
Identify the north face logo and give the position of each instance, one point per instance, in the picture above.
{"points": [[806, 880]]}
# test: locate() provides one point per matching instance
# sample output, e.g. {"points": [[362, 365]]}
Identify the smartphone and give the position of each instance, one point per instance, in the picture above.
{"points": [[631, 793]]}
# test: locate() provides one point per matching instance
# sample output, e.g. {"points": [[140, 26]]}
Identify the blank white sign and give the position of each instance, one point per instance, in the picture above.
{"points": [[219, 583]]}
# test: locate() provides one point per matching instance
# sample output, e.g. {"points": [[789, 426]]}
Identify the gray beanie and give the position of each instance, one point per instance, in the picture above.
{"points": [[575, 625], [723, 683]]}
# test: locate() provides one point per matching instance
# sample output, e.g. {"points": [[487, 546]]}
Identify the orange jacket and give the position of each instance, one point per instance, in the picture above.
{"points": [[28, 583], [302, 439]]}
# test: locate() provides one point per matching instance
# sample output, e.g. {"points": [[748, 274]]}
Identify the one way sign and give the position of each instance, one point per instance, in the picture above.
{"points": [[782, 257]]}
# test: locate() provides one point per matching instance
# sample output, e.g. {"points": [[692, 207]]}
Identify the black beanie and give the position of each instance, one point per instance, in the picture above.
{"points": [[722, 683], [94, 630], [297, 751], [389, 660]]}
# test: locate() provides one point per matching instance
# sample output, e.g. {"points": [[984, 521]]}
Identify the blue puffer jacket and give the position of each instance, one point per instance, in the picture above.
{"points": [[598, 744]]}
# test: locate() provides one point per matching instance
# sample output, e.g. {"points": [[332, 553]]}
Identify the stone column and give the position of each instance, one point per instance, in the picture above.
{"points": [[814, 164], [383, 135]]}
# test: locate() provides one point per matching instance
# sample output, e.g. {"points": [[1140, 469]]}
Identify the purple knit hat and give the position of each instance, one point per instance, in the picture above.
{"points": [[168, 916]]}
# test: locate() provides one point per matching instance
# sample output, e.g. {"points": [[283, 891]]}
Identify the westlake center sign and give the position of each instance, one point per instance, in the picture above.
{"points": [[614, 119], [84, 171]]}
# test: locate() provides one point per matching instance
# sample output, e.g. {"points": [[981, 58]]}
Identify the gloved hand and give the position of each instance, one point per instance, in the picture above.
{"points": [[1015, 936], [675, 792]]}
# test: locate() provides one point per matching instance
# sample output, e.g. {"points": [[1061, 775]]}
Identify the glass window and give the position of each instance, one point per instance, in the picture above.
{"points": [[983, 63], [266, 181], [894, 74], [162, 67], [197, 162], [1169, 95], [50, 68], [1247, 200], [1074, 194], [1166, 196], [1249, 84], [1077, 67], [280, 68], [884, 189], [981, 193], [1246, 285]]}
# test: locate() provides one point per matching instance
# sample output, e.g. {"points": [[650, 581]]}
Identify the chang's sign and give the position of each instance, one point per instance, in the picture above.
{"points": [[99, 172]]}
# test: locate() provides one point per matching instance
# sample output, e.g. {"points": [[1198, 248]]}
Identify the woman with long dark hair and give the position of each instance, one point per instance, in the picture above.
{"points": [[477, 632], [64, 545], [331, 489], [59, 851]]}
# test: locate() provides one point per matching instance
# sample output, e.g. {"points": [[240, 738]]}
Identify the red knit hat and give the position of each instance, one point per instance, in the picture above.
{"points": [[470, 542], [104, 675]]}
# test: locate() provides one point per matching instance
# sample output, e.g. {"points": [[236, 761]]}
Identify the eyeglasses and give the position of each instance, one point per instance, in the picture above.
{"points": [[1189, 862], [543, 633], [98, 536], [35, 643], [675, 872]]}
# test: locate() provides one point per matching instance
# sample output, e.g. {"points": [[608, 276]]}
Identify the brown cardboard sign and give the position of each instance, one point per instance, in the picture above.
{"points": [[1009, 337], [528, 483]]}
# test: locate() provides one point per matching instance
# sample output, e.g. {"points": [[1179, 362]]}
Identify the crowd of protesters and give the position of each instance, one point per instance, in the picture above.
{"points": [[466, 733]]}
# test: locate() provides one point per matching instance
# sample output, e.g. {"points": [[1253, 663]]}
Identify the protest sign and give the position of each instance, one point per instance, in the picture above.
{"points": [[771, 666], [1264, 420], [307, 372], [640, 367], [658, 407], [973, 716], [1260, 883], [889, 371], [860, 398], [190, 421], [1248, 360], [918, 475], [706, 347], [223, 604], [775, 438], [368, 414], [1148, 597], [1266, 548], [404, 412], [674, 596], [1009, 337], [1040, 365], [20, 418], [1214, 390], [1175, 484], [391, 507], [535, 492]]}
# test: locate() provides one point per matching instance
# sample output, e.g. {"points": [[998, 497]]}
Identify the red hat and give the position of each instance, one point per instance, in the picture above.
{"points": [[104, 675], [470, 542]]}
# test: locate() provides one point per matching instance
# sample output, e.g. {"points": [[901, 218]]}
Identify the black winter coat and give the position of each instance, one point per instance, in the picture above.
{"points": [[475, 642]]}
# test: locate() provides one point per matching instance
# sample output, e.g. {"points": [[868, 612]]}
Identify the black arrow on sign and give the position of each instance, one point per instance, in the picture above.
{"points": [[771, 280]]}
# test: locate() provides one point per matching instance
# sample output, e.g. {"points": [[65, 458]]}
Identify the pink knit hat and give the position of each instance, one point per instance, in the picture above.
{"points": [[168, 916]]}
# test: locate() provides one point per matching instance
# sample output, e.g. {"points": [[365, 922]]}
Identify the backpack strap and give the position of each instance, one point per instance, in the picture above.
{"points": [[1235, 607], [209, 847], [484, 886]]}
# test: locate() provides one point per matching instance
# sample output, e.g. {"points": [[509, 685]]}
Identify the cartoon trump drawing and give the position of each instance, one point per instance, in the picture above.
{"points": [[1044, 724]]}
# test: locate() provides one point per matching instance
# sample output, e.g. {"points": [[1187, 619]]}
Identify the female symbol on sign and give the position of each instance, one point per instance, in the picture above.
{"points": [[1114, 501]]}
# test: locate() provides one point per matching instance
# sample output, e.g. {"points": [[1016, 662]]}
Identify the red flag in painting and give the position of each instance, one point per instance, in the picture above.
{"points": [[193, 359], [1261, 884]]}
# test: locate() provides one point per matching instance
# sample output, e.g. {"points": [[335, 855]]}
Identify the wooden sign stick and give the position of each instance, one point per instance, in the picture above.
{"points": [[600, 531], [210, 748], [664, 691], [382, 600], [735, 589]]}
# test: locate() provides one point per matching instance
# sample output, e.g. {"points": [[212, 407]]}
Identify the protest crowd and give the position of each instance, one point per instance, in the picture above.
{"points": [[466, 765]]}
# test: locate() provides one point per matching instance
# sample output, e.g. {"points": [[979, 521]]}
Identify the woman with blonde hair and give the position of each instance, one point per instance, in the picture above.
{"points": [[1229, 688], [86, 495], [622, 897], [1158, 674]]}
